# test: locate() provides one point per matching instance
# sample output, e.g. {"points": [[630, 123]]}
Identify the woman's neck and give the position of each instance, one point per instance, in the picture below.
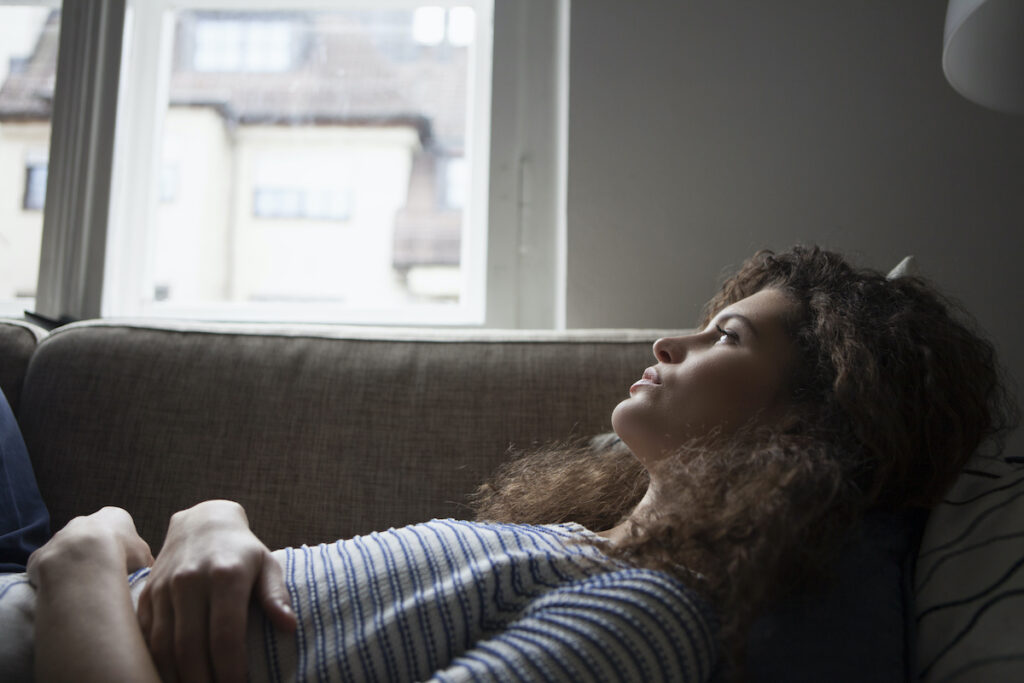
{"points": [[644, 508]]}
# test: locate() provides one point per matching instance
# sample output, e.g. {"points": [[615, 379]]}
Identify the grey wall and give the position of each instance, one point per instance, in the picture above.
{"points": [[702, 131]]}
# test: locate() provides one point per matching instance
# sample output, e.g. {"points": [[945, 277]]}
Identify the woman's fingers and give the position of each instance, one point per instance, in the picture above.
{"points": [[160, 636], [144, 612], [107, 534], [136, 550], [137, 554], [210, 566], [229, 607], [273, 595], [189, 600]]}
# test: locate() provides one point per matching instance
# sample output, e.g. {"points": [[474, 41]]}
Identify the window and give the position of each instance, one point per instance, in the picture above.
{"points": [[461, 26], [35, 186], [301, 202], [455, 180], [359, 126], [246, 43], [169, 182], [428, 25], [433, 25]]}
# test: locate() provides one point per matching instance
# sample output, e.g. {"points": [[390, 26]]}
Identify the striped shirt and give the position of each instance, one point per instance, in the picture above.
{"points": [[453, 601], [450, 600]]}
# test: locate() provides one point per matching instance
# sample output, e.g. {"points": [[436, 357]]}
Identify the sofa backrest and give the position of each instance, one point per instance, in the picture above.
{"points": [[321, 432]]}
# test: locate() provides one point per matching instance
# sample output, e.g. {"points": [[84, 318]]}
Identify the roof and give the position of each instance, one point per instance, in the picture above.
{"points": [[27, 93], [347, 71]]}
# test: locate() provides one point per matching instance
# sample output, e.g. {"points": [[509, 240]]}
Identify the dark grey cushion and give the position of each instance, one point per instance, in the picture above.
{"points": [[859, 627]]}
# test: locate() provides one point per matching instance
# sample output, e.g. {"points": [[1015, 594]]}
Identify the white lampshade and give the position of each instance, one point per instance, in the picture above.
{"points": [[983, 52]]}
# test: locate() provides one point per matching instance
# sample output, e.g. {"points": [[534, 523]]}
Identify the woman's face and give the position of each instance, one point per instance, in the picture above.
{"points": [[721, 377]]}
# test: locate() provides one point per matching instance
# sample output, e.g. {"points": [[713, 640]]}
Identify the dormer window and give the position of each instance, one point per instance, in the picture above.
{"points": [[250, 44]]}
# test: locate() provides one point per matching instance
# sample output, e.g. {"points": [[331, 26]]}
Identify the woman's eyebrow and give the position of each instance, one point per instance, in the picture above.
{"points": [[742, 318]]}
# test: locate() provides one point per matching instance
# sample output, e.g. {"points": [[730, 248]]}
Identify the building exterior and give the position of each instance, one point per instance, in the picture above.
{"points": [[305, 157]]}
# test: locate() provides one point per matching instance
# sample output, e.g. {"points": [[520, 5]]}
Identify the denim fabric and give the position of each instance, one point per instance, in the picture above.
{"points": [[24, 521]]}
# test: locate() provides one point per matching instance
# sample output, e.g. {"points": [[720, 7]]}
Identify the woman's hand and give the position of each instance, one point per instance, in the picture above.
{"points": [[103, 541], [85, 627], [194, 607]]}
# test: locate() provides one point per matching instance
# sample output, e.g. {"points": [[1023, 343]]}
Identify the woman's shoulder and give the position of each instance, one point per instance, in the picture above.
{"points": [[641, 606], [568, 536], [646, 589]]}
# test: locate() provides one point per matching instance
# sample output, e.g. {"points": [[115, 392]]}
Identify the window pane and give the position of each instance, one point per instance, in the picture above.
{"points": [[309, 147], [28, 62]]}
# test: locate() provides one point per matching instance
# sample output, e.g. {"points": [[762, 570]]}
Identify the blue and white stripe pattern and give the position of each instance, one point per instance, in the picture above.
{"points": [[455, 601]]}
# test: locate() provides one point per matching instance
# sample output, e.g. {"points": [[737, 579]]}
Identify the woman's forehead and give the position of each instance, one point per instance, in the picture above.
{"points": [[769, 305]]}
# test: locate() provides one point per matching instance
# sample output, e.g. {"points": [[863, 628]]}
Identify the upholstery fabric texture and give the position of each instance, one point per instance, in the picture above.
{"points": [[18, 340], [318, 437]]}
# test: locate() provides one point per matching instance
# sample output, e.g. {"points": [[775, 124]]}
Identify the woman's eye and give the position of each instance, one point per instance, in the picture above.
{"points": [[728, 336]]}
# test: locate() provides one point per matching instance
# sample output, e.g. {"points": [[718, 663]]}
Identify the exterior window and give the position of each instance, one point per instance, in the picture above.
{"points": [[244, 44], [455, 183], [432, 25], [428, 25], [301, 202], [35, 186], [461, 26], [169, 182]]}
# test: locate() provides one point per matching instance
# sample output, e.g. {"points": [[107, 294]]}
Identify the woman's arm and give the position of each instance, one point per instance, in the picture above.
{"points": [[85, 625], [629, 625], [194, 607]]}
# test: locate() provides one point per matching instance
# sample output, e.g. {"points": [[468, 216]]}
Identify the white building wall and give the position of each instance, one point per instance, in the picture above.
{"points": [[192, 241], [345, 260], [20, 230]]}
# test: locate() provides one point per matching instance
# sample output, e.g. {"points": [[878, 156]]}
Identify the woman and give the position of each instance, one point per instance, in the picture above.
{"points": [[812, 393]]}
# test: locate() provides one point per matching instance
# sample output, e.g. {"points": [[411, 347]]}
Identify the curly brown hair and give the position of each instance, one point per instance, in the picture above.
{"points": [[895, 390]]}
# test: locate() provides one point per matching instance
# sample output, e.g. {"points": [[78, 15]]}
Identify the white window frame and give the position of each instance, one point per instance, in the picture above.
{"points": [[521, 258], [73, 248]]}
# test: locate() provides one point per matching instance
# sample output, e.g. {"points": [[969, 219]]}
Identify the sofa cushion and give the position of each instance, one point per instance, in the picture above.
{"points": [[970, 579], [859, 627], [320, 432], [18, 340]]}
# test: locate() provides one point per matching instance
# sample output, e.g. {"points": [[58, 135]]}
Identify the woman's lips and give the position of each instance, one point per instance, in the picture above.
{"points": [[650, 378]]}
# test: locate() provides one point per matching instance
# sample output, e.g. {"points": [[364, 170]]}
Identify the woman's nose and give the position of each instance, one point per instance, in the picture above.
{"points": [[670, 349]]}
